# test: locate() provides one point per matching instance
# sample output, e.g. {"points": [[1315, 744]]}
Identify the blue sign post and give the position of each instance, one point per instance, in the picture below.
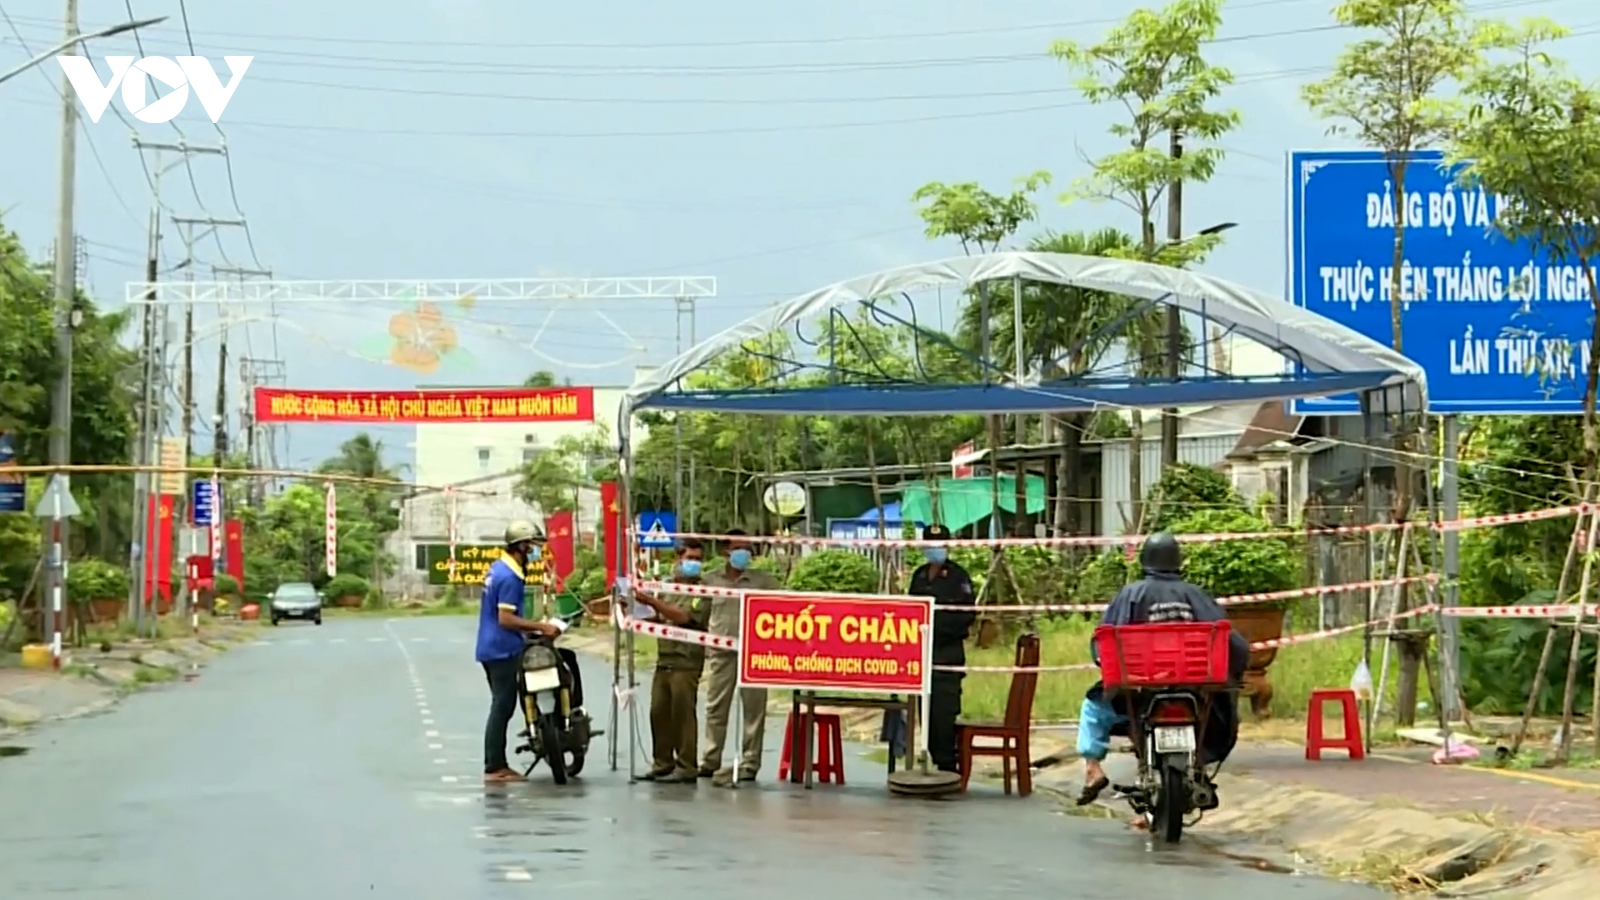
{"points": [[656, 530], [203, 502], [13, 488], [1499, 328]]}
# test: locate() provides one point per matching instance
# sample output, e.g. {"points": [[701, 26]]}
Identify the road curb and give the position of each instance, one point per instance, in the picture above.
{"points": [[1394, 847]]}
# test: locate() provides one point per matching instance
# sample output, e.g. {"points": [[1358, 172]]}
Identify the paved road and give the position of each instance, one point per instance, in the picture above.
{"points": [[343, 761]]}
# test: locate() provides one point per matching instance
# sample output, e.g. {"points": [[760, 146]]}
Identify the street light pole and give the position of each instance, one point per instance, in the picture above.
{"points": [[74, 40], [65, 295]]}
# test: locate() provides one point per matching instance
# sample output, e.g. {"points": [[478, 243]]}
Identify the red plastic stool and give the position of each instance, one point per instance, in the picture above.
{"points": [[1350, 741], [829, 764]]}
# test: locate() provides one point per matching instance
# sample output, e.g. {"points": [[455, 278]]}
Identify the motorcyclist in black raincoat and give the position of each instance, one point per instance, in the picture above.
{"points": [[1160, 597]]}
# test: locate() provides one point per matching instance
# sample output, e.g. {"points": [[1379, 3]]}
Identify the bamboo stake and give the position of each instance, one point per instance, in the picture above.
{"points": [[1570, 690], [1537, 688]]}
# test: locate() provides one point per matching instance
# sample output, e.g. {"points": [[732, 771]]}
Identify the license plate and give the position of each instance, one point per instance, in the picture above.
{"points": [[541, 680], [1175, 739]]}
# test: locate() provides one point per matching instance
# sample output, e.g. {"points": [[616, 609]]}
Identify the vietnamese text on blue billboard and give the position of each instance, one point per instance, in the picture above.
{"points": [[1498, 327]]}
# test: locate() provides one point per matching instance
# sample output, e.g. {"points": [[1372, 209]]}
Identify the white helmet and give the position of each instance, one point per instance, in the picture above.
{"points": [[522, 531]]}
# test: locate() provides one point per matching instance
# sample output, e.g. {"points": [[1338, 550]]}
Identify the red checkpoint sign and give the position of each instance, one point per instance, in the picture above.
{"points": [[836, 642]]}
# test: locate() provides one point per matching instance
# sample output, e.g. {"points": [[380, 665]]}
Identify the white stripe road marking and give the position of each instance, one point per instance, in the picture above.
{"points": [[430, 734], [336, 640], [419, 640], [441, 762], [435, 746], [518, 875], [449, 779], [427, 721], [377, 640]]}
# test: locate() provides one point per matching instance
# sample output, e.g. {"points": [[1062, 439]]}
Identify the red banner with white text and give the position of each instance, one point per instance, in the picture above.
{"points": [[564, 404]]}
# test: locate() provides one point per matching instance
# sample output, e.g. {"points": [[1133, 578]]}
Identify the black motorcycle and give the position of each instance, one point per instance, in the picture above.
{"points": [[1164, 680], [1167, 727], [556, 733]]}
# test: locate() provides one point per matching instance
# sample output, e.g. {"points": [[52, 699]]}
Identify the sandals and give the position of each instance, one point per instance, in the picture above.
{"points": [[1093, 790]]}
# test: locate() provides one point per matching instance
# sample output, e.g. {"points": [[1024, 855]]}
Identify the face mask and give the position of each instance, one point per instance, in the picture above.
{"points": [[533, 552], [935, 554], [689, 568], [739, 559]]}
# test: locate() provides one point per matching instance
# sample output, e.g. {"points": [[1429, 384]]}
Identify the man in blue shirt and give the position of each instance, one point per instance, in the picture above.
{"points": [[501, 637]]}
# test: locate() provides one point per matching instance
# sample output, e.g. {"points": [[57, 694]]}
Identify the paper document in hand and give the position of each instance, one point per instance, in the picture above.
{"points": [[559, 624]]}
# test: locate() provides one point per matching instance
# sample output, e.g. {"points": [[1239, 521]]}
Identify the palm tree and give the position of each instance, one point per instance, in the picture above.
{"points": [[1068, 336], [361, 456]]}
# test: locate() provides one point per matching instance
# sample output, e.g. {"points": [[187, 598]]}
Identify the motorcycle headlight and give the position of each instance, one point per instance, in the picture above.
{"points": [[539, 656]]}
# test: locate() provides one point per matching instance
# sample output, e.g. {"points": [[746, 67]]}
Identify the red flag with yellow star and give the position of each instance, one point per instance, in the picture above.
{"points": [[611, 524], [558, 530]]}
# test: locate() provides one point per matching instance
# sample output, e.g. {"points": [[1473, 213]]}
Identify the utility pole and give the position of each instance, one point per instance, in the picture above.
{"points": [[219, 439], [1169, 416], [266, 372], [683, 500], [65, 311], [187, 229]]}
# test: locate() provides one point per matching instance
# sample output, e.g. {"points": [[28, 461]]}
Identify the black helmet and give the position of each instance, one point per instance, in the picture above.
{"points": [[1161, 553]]}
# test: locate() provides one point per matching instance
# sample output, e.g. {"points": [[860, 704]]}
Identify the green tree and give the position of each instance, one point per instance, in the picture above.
{"points": [[1386, 91], [540, 379], [1532, 138], [1154, 67], [102, 420], [1068, 335], [978, 219]]}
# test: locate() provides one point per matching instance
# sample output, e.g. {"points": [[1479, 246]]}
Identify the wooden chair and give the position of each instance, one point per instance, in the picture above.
{"points": [[1012, 734]]}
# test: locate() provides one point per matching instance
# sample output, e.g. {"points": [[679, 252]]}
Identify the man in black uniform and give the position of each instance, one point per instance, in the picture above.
{"points": [[949, 585]]}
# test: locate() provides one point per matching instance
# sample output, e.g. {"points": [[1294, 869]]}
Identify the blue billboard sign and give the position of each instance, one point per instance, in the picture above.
{"points": [[13, 488], [1498, 327], [203, 502]]}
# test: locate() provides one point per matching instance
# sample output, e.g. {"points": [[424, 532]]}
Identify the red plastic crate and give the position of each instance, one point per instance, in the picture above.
{"points": [[1190, 654]]}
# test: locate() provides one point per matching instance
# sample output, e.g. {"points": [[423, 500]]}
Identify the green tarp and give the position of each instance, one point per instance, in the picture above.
{"points": [[965, 501]]}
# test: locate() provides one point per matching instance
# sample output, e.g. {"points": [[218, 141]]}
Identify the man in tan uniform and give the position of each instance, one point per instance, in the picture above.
{"points": [[722, 675], [675, 687]]}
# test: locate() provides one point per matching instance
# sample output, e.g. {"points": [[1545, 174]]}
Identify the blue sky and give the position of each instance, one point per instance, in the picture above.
{"points": [[774, 146]]}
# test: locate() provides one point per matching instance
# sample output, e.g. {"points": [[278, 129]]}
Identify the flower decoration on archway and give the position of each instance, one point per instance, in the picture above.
{"points": [[422, 338]]}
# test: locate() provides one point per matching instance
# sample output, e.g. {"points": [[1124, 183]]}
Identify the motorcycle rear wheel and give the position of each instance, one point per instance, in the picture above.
{"points": [[1166, 814]]}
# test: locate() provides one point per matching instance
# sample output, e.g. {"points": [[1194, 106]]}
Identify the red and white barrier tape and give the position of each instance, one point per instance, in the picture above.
{"points": [[1131, 539], [1545, 611], [1289, 640], [701, 590], [674, 633]]}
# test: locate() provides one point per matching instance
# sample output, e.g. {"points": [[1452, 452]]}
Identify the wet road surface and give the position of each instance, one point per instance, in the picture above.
{"points": [[345, 761]]}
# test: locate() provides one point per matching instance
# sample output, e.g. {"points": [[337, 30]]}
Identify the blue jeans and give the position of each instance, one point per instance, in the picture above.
{"points": [[1096, 718]]}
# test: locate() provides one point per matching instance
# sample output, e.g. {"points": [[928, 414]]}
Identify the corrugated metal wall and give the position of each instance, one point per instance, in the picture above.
{"points": [[1116, 506]]}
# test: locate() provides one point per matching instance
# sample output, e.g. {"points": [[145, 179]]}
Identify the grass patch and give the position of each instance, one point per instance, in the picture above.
{"points": [[153, 675], [1539, 758]]}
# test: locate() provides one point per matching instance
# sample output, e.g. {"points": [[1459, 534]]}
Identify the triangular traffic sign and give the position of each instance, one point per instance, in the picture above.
{"points": [[657, 532], [57, 502]]}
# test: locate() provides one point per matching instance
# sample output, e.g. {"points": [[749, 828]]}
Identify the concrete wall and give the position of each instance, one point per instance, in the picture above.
{"points": [[483, 509]]}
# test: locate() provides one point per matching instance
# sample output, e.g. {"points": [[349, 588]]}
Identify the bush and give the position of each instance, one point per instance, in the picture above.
{"points": [[452, 597], [1226, 568], [346, 585], [1186, 490], [227, 585], [96, 579], [375, 599], [1103, 575], [835, 571]]}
